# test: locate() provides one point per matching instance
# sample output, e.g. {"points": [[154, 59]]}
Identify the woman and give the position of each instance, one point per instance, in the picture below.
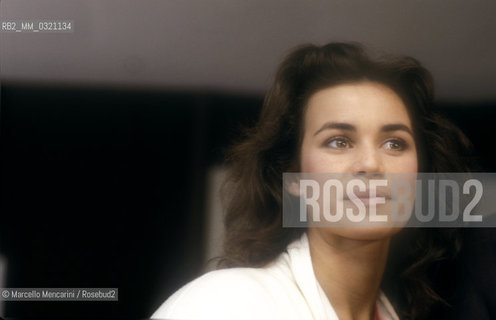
{"points": [[331, 109]]}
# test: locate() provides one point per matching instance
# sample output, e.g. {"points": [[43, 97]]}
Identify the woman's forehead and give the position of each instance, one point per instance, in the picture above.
{"points": [[363, 103]]}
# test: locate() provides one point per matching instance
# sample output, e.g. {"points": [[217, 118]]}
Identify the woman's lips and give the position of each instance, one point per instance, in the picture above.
{"points": [[370, 201], [367, 200]]}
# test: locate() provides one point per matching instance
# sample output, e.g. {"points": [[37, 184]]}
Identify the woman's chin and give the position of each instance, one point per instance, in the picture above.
{"points": [[366, 233]]}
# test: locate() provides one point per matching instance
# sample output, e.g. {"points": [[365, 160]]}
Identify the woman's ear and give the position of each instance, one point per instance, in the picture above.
{"points": [[293, 187], [292, 179]]}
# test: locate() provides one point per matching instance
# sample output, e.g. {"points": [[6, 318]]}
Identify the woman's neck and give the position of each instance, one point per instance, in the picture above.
{"points": [[349, 271]]}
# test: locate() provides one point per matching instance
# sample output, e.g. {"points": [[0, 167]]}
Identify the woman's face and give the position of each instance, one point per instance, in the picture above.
{"points": [[360, 129]]}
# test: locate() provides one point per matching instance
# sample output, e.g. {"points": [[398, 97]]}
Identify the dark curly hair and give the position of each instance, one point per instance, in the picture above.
{"points": [[254, 233]]}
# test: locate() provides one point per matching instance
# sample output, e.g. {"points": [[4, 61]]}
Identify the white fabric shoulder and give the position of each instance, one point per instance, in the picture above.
{"points": [[285, 289], [239, 293]]}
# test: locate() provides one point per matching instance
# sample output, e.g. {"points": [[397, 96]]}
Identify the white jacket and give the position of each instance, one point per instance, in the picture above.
{"points": [[285, 289]]}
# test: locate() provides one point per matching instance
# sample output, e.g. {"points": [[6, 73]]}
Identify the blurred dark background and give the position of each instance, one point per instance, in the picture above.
{"points": [[106, 188], [110, 134]]}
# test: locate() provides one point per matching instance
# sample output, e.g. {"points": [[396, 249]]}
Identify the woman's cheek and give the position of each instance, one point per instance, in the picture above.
{"points": [[318, 160], [408, 163]]}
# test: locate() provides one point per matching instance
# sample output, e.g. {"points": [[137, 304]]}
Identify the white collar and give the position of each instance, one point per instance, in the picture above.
{"points": [[301, 266]]}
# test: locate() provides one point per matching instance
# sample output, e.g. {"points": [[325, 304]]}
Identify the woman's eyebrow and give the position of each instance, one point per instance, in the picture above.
{"points": [[336, 125], [396, 127], [350, 127]]}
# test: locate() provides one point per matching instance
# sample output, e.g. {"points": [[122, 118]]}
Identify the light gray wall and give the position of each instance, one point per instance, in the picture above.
{"points": [[235, 45]]}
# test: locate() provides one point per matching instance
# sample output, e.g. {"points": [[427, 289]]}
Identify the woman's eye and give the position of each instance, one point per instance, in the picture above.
{"points": [[395, 145], [338, 143]]}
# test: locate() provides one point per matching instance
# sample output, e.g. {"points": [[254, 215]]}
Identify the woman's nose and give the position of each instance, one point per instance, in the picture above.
{"points": [[368, 161]]}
